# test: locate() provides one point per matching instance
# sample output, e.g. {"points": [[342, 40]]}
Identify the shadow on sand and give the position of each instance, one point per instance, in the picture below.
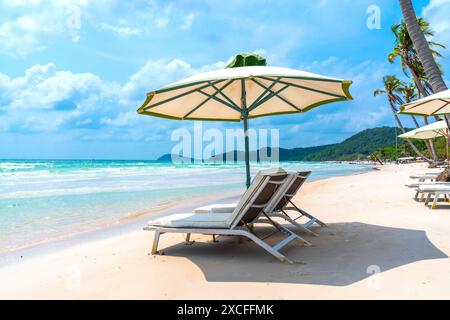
{"points": [[343, 253]]}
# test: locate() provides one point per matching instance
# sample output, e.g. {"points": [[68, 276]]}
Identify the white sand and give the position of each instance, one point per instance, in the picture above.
{"points": [[374, 225]]}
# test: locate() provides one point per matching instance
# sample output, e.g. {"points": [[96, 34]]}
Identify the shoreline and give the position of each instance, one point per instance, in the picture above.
{"points": [[125, 223]]}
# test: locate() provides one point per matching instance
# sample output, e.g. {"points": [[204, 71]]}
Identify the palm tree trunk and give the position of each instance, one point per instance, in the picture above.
{"points": [[430, 144], [419, 85], [394, 112], [415, 121], [423, 93], [421, 46], [417, 82]]}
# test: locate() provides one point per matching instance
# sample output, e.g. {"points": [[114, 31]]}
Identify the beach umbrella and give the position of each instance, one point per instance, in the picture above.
{"points": [[432, 131], [436, 104], [246, 89]]}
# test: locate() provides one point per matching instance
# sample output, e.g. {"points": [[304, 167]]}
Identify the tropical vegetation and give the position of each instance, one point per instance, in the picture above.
{"points": [[414, 51]]}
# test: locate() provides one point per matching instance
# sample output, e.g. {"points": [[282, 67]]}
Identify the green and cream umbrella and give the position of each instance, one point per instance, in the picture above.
{"points": [[239, 93]]}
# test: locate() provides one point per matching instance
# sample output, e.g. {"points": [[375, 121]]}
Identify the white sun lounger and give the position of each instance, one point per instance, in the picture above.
{"points": [[418, 184], [279, 204], [426, 176], [237, 223], [422, 180], [435, 190]]}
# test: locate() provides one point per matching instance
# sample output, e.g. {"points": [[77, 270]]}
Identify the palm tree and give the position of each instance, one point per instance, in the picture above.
{"points": [[404, 49], [393, 87], [422, 47], [411, 65]]}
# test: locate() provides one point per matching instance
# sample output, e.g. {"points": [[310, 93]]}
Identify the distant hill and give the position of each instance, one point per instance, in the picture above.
{"points": [[356, 147]]}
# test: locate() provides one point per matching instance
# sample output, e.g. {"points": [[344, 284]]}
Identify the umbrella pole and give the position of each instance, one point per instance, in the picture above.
{"points": [[244, 115], [446, 150], [247, 152]]}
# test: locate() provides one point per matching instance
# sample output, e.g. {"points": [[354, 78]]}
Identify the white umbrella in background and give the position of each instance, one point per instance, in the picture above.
{"points": [[239, 93], [432, 131], [436, 104]]}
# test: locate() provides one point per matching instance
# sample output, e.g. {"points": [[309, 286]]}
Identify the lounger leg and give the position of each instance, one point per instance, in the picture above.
{"points": [[286, 231], [268, 248], [416, 197], [422, 196], [188, 239], [155, 242], [290, 233], [321, 223], [306, 214], [298, 225], [428, 199], [436, 198]]}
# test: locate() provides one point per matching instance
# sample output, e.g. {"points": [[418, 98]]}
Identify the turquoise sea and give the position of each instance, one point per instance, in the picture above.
{"points": [[48, 199]]}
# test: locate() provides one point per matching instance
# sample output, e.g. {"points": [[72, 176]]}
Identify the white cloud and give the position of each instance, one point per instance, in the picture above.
{"points": [[46, 99], [188, 21], [437, 12], [122, 31], [157, 73], [25, 24], [161, 22], [122, 119]]}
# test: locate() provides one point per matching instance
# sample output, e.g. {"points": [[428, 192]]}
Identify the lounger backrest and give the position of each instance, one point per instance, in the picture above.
{"points": [[292, 190], [256, 197]]}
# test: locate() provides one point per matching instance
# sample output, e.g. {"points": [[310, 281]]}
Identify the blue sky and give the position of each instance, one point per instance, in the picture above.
{"points": [[70, 90]]}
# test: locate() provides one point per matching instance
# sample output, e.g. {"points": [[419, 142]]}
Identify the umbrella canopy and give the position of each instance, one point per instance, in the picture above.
{"points": [[241, 93], [435, 104], [245, 92], [432, 131]]}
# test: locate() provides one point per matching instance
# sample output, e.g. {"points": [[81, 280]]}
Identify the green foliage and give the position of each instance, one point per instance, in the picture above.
{"points": [[381, 142], [359, 146], [246, 60]]}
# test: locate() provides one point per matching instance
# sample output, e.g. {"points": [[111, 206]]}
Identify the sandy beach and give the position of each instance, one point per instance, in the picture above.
{"points": [[379, 244]]}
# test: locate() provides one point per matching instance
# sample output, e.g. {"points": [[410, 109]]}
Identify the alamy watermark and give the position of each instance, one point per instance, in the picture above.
{"points": [[374, 19], [73, 22], [212, 145], [374, 281]]}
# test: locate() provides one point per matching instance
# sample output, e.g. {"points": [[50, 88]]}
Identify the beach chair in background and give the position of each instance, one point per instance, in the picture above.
{"points": [[280, 205], [416, 186], [426, 176], [435, 191], [422, 179], [240, 222]]}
